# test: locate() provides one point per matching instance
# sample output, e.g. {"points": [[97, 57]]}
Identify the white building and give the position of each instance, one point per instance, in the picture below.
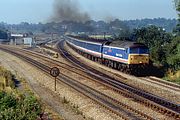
{"points": [[29, 41], [17, 35]]}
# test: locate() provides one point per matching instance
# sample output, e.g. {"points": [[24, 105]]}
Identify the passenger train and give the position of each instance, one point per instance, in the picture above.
{"points": [[129, 57]]}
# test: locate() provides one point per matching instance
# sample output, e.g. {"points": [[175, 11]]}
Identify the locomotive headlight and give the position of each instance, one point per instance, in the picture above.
{"points": [[132, 57]]}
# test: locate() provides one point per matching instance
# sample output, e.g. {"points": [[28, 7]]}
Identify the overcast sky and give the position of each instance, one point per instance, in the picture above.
{"points": [[34, 11]]}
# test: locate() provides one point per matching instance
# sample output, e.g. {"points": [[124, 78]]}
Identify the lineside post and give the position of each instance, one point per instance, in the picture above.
{"points": [[54, 72]]}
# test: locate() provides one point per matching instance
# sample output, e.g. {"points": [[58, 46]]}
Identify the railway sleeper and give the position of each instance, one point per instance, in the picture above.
{"points": [[154, 107], [162, 111], [114, 112], [177, 117], [172, 114]]}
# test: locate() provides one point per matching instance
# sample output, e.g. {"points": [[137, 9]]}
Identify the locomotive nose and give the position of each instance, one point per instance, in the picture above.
{"points": [[138, 59]]}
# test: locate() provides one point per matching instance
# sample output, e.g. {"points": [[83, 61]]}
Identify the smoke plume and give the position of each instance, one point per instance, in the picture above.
{"points": [[68, 10]]}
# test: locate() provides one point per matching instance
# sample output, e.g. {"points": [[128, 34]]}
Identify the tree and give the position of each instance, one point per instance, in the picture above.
{"points": [[173, 57], [3, 34], [156, 39], [119, 28], [177, 5], [173, 54], [152, 36]]}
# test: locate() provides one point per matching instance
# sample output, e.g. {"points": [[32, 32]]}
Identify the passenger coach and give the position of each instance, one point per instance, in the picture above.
{"points": [[89, 47]]}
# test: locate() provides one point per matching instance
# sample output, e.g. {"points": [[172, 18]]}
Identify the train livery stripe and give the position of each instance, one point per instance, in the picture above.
{"points": [[115, 58], [85, 41], [111, 47], [97, 54]]}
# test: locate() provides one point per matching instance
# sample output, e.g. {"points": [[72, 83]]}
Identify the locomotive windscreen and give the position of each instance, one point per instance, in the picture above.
{"points": [[139, 50]]}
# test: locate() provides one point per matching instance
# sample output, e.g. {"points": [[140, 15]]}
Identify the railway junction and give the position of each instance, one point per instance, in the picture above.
{"points": [[97, 91]]}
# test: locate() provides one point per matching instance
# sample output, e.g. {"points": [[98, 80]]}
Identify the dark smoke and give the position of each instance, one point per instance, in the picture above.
{"points": [[68, 10]]}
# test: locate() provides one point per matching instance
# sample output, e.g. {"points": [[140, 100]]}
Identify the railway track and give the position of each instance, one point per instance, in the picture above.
{"points": [[165, 103], [148, 103], [116, 107], [163, 83], [151, 79], [160, 101]]}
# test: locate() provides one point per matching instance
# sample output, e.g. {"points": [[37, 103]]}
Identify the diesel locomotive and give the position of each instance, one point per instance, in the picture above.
{"points": [[129, 57]]}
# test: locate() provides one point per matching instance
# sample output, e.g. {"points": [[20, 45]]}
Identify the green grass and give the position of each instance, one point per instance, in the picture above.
{"points": [[173, 76], [6, 78], [18, 107], [177, 80], [13, 104]]}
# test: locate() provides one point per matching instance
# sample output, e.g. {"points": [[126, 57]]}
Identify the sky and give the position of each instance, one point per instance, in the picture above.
{"points": [[34, 11]]}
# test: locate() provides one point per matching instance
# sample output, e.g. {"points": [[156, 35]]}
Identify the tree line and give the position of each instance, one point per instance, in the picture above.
{"points": [[3, 34], [164, 47], [91, 26]]}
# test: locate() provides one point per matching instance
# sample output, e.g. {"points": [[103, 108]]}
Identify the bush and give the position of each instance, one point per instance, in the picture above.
{"points": [[8, 76], [19, 107]]}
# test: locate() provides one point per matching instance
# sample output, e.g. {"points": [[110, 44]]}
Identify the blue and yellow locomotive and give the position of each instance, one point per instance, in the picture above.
{"points": [[126, 56], [126, 52]]}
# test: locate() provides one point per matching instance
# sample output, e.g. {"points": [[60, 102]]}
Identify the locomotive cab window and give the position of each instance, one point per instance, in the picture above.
{"points": [[144, 50], [139, 50], [134, 50]]}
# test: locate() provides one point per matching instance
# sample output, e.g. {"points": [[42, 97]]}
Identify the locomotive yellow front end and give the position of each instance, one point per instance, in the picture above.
{"points": [[138, 59], [138, 54]]}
